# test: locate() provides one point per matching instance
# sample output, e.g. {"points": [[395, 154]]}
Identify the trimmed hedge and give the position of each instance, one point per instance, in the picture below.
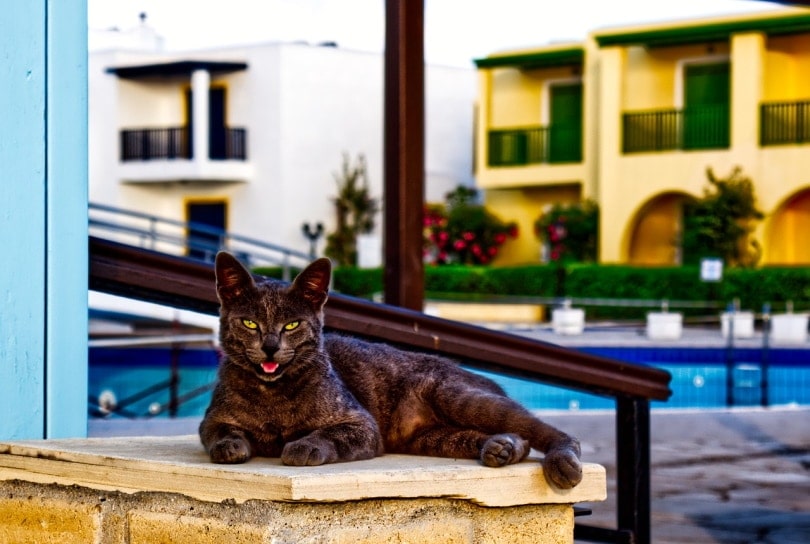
{"points": [[753, 287]]}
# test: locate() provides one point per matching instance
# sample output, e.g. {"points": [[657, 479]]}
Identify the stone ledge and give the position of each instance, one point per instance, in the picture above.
{"points": [[179, 465]]}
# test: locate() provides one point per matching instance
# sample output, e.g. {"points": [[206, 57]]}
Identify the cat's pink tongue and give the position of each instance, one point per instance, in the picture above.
{"points": [[269, 367]]}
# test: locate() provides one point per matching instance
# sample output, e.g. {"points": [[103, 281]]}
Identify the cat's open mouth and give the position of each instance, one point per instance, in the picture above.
{"points": [[270, 370]]}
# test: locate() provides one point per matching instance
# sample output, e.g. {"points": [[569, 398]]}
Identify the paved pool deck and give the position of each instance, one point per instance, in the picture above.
{"points": [[630, 335]]}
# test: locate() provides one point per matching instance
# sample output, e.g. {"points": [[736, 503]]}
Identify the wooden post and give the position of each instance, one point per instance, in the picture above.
{"points": [[404, 168]]}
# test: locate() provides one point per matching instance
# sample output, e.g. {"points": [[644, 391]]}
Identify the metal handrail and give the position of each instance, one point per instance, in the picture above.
{"points": [[188, 238]]}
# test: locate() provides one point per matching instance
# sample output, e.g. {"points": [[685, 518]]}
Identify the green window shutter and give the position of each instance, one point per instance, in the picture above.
{"points": [[707, 101], [565, 128]]}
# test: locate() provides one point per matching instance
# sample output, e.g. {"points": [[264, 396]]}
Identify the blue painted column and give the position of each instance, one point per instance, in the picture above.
{"points": [[43, 219]]}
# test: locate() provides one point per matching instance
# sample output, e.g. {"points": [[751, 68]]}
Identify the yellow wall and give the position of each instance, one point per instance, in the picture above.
{"points": [[519, 100], [789, 57], [789, 228]]}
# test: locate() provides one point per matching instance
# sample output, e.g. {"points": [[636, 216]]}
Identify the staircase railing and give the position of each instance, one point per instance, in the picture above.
{"points": [[188, 239], [184, 283]]}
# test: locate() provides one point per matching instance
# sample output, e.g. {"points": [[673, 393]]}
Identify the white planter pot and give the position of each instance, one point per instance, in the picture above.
{"points": [[743, 324], [664, 325], [568, 321], [789, 328]]}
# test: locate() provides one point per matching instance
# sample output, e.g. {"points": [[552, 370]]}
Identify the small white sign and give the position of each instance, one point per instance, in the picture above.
{"points": [[711, 269]]}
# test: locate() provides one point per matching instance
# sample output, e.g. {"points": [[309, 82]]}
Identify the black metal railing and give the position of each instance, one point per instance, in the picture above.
{"points": [[784, 123], [146, 144], [155, 143], [693, 128]]}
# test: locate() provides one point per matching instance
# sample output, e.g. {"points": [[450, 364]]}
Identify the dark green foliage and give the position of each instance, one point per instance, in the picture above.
{"points": [[571, 231], [358, 282], [528, 280], [775, 285], [720, 224], [458, 279], [753, 287]]}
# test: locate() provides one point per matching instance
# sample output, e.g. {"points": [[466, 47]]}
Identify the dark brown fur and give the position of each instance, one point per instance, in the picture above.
{"points": [[335, 398]]}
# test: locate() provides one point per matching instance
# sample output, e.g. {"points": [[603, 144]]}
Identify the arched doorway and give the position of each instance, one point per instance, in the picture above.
{"points": [[789, 228], [655, 231]]}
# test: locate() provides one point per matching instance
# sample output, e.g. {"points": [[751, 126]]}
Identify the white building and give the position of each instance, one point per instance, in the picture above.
{"points": [[250, 137]]}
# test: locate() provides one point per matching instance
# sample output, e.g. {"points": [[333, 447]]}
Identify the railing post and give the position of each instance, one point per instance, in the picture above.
{"points": [[633, 467]]}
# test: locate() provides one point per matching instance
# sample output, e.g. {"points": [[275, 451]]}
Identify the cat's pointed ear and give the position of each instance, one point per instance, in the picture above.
{"points": [[313, 282], [233, 279]]}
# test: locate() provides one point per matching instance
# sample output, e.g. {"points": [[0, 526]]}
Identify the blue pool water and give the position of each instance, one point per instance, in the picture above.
{"points": [[132, 376]]}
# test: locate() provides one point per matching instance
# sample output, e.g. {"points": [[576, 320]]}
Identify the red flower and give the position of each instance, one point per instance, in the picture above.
{"points": [[459, 245], [500, 238]]}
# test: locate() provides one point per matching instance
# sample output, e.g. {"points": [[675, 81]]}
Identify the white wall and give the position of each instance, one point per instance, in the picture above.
{"points": [[303, 107]]}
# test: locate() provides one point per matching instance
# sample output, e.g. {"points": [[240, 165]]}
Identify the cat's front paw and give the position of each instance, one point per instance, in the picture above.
{"points": [[308, 451], [562, 467], [504, 449], [230, 450]]}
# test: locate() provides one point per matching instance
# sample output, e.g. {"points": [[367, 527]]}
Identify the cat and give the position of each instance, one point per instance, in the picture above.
{"points": [[288, 390]]}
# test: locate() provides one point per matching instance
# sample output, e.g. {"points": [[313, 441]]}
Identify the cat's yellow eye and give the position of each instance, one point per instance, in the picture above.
{"points": [[250, 324], [292, 325]]}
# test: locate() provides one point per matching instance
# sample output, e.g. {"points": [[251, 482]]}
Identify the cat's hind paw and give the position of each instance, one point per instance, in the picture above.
{"points": [[563, 468], [504, 449], [230, 450]]}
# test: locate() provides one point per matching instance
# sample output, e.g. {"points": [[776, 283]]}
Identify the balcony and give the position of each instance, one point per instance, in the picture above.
{"points": [[534, 145], [166, 155], [783, 123], [694, 128]]}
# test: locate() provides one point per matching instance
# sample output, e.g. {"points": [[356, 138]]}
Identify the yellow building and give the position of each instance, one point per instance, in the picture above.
{"points": [[633, 117]]}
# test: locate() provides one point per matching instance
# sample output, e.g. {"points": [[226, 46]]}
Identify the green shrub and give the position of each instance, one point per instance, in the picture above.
{"points": [[527, 280], [457, 279], [774, 285], [357, 282], [753, 287]]}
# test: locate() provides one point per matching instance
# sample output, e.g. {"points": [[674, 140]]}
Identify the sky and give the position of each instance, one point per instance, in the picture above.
{"points": [[456, 31]]}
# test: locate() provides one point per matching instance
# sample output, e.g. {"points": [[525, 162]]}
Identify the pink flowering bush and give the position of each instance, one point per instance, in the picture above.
{"points": [[570, 231], [463, 231]]}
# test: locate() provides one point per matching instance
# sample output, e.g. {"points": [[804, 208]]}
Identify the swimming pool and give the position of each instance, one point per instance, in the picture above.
{"points": [[139, 379], [699, 378]]}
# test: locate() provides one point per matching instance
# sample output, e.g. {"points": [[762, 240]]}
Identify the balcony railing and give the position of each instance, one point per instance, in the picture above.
{"points": [[534, 145], [176, 143], [155, 143], [784, 123], [700, 127]]}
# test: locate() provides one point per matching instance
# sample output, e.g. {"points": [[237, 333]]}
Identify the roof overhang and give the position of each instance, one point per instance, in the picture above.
{"points": [[697, 32], [569, 56], [179, 68]]}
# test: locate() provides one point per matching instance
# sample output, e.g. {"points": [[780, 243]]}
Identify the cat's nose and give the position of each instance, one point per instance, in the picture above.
{"points": [[270, 347]]}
